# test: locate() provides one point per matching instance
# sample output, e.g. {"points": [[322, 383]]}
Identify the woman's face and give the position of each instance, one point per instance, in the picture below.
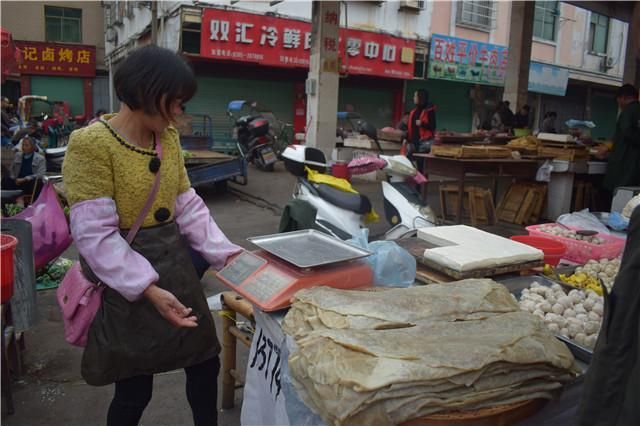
{"points": [[158, 122], [27, 146], [416, 98]]}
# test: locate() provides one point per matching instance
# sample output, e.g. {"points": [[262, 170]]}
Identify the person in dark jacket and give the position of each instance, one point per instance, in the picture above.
{"points": [[611, 393], [549, 122], [507, 116], [522, 118], [623, 168], [28, 166], [422, 122]]}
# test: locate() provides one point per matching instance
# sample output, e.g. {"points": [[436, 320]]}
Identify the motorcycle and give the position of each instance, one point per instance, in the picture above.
{"points": [[252, 133], [405, 209], [338, 213], [341, 214]]}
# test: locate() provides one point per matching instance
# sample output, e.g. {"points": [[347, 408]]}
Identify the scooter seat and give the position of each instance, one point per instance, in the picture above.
{"points": [[356, 203]]}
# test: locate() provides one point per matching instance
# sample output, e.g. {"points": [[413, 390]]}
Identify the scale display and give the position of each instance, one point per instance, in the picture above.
{"points": [[267, 283], [241, 268], [270, 283]]}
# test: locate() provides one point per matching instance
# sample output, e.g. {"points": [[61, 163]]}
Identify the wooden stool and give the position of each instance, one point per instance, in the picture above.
{"points": [[584, 196], [478, 202]]}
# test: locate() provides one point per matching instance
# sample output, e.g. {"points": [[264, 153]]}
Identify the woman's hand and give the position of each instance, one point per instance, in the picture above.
{"points": [[20, 181], [170, 307]]}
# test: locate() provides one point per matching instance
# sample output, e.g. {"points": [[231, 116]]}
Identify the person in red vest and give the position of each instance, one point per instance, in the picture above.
{"points": [[422, 124]]}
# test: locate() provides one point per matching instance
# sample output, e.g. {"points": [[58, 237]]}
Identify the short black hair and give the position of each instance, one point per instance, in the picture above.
{"points": [[627, 90], [151, 73], [423, 96]]}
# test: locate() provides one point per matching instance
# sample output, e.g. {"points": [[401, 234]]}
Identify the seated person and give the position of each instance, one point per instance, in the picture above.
{"points": [[28, 166]]}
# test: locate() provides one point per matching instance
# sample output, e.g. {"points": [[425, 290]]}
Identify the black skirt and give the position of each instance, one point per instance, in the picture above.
{"points": [[128, 339]]}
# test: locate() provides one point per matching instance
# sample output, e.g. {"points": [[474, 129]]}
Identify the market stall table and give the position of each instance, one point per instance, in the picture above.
{"points": [[459, 168]]}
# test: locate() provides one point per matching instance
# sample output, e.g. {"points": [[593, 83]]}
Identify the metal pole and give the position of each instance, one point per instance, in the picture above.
{"points": [[154, 22]]}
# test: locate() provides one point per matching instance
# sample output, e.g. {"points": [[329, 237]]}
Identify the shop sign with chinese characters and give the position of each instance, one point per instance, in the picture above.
{"points": [[57, 59], [280, 42], [469, 61]]}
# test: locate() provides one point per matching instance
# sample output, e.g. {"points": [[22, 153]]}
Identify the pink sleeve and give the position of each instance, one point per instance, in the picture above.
{"points": [[199, 228], [94, 227]]}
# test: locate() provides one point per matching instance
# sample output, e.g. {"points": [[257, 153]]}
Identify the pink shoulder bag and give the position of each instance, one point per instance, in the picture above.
{"points": [[79, 298]]}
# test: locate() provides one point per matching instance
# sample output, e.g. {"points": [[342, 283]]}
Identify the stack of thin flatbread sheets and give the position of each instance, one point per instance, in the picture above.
{"points": [[381, 358]]}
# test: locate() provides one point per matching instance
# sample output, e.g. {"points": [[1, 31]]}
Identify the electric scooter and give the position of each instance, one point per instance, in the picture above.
{"points": [[341, 214], [338, 213]]}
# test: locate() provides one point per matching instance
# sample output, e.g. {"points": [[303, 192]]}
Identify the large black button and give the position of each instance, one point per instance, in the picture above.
{"points": [[162, 214], [154, 165]]}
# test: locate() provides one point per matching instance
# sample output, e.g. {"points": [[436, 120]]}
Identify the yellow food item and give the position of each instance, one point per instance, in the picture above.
{"points": [[583, 281], [525, 142]]}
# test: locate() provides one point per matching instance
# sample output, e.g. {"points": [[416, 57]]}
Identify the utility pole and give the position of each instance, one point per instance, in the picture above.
{"points": [[324, 76], [154, 22], [517, 79]]}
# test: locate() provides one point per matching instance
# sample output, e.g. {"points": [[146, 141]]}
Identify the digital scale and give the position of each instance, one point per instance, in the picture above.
{"points": [[292, 261]]}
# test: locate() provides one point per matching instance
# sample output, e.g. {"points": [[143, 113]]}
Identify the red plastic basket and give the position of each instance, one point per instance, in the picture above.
{"points": [[581, 251], [553, 250], [8, 245]]}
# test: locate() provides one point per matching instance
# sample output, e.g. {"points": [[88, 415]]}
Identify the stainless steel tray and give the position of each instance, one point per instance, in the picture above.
{"points": [[308, 248], [515, 287]]}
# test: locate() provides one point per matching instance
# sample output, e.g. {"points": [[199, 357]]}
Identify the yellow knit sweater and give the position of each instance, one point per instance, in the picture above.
{"points": [[98, 165]]}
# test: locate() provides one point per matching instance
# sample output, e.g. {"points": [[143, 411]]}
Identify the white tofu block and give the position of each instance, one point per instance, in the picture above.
{"points": [[464, 248]]}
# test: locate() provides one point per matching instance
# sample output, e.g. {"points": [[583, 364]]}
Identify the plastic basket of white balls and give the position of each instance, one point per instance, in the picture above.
{"points": [[580, 248]]}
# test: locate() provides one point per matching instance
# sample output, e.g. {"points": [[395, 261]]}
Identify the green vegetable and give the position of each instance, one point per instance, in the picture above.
{"points": [[13, 209]]}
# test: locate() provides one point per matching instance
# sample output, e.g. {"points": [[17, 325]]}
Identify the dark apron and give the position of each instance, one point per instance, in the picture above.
{"points": [[128, 339]]}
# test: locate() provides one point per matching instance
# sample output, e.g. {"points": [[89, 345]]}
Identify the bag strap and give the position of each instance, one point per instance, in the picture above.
{"points": [[150, 199]]}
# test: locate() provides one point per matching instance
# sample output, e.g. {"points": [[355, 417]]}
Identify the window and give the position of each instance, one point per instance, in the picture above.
{"points": [[545, 20], [478, 14], [598, 33], [63, 24]]}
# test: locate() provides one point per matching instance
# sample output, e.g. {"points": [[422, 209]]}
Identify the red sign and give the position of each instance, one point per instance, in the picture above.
{"points": [[267, 40], [57, 59]]}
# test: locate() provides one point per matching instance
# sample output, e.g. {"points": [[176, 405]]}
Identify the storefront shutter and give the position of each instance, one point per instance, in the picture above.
{"points": [[60, 89], [451, 99], [215, 93], [376, 106], [604, 113]]}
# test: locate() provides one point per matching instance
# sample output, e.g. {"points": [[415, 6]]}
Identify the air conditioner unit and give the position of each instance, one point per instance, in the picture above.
{"points": [[412, 4], [607, 63]]}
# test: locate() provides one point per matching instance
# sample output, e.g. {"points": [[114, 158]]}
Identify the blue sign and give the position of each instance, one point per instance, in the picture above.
{"points": [[548, 79], [469, 61]]}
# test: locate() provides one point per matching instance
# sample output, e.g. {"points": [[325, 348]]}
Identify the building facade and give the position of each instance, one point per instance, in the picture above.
{"points": [[62, 46], [577, 57]]}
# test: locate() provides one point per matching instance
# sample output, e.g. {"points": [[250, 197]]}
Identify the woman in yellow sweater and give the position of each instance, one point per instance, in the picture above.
{"points": [[154, 316]]}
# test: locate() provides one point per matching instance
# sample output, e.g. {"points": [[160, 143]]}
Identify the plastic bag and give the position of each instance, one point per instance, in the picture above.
{"points": [[583, 220], [362, 165], [544, 172], [51, 236], [391, 264], [618, 222]]}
